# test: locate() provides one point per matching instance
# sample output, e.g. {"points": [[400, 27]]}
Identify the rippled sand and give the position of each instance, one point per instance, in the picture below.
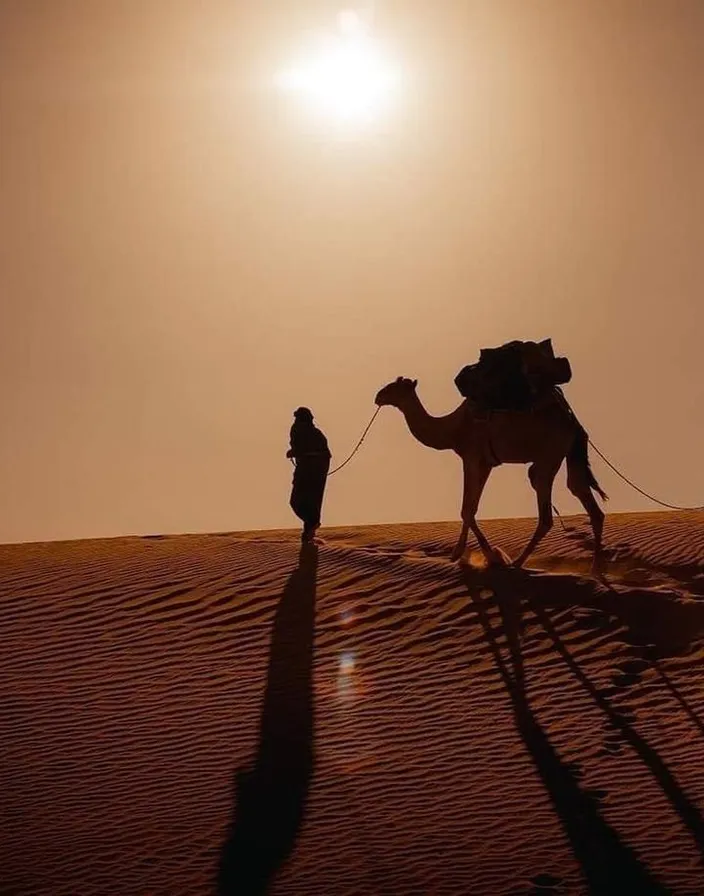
{"points": [[217, 714]]}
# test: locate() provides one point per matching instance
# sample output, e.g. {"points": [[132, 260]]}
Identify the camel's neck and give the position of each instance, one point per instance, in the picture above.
{"points": [[440, 433]]}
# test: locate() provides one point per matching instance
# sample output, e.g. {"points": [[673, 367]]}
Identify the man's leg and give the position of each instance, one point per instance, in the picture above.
{"points": [[298, 503], [307, 496], [318, 493], [301, 499]]}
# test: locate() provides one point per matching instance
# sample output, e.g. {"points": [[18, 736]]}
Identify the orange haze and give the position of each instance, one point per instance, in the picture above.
{"points": [[185, 260]]}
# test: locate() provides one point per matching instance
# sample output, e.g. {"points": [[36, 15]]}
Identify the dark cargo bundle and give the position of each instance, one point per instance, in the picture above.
{"points": [[513, 376]]}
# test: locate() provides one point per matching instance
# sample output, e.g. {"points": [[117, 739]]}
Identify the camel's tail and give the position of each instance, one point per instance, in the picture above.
{"points": [[579, 456]]}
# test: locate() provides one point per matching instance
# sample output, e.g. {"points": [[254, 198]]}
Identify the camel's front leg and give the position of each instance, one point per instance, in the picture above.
{"points": [[475, 477]]}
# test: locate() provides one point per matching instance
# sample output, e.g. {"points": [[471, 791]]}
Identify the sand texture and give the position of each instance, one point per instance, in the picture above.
{"points": [[225, 714]]}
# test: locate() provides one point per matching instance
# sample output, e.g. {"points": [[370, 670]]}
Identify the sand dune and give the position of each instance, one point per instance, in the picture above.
{"points": [[221, 714]]}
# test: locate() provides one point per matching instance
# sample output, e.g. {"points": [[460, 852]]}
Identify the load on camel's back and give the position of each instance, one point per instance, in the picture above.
{"points": [[513, 377]]}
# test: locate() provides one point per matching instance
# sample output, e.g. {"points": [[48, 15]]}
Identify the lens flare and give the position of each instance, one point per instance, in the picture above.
{"points": [[346, 665]]}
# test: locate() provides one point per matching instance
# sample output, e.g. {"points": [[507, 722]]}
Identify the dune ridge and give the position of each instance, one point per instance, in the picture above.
{"points": [[225, 714]]}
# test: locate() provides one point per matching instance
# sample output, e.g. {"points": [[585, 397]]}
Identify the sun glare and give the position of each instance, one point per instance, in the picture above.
{"points": [[345, 76]]}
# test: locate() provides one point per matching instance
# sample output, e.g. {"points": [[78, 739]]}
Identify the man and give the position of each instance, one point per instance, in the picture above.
{"points": [[309, 448]]}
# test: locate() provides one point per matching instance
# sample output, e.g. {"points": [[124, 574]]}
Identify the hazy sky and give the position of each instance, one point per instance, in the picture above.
{"points": [[185, 258]]}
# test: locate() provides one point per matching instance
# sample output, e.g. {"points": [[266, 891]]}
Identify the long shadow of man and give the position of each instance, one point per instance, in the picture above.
{"points": [[609, 865], [271, 797]]}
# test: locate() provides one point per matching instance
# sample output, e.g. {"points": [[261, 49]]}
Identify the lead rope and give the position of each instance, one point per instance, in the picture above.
{"points": [[637, 488], [359, 443], [615, 469]]}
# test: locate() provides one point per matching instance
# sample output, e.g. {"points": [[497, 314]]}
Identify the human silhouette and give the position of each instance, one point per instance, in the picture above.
{"points": [[309, 449]]}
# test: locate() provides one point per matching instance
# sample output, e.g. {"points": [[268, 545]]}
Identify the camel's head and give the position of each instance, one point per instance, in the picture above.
{"points": [[396, 392]]}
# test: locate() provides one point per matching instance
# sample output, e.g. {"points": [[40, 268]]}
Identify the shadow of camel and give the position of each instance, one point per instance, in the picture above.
{"points": [[270, 798], [662, 622], [609, 865], [629, 560]]}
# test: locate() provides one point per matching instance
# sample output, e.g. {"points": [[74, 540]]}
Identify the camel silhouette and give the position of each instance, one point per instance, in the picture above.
{"points": [[542, 437]]}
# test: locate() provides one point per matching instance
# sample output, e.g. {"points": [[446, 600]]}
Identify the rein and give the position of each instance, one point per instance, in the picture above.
{"points": [[359, 443]]}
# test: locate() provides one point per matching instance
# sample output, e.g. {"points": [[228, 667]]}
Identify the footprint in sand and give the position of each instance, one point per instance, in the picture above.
{"points": [[624, 676], [628, 673], [637, 665], [592, 620], [622, 680], [597, 795], [613, 741], [544, 884], [613, 735]]}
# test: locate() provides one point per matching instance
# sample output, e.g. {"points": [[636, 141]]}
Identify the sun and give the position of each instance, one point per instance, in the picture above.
{"points": [[345, 77]]}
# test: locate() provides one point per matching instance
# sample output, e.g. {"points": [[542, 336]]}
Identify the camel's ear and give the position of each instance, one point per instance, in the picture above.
{"points": [[414, 383], [398, 379]]}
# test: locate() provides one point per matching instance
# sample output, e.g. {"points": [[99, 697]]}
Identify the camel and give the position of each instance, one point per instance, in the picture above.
{"points": [[542, 437]]}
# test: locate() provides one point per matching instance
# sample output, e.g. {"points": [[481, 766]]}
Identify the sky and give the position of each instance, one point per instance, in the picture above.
{"points": [[186, 255]]}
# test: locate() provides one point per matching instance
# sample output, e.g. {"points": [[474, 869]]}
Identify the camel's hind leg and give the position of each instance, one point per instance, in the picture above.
{"points": [[580, 487], [542, 480], [475, 477]]}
